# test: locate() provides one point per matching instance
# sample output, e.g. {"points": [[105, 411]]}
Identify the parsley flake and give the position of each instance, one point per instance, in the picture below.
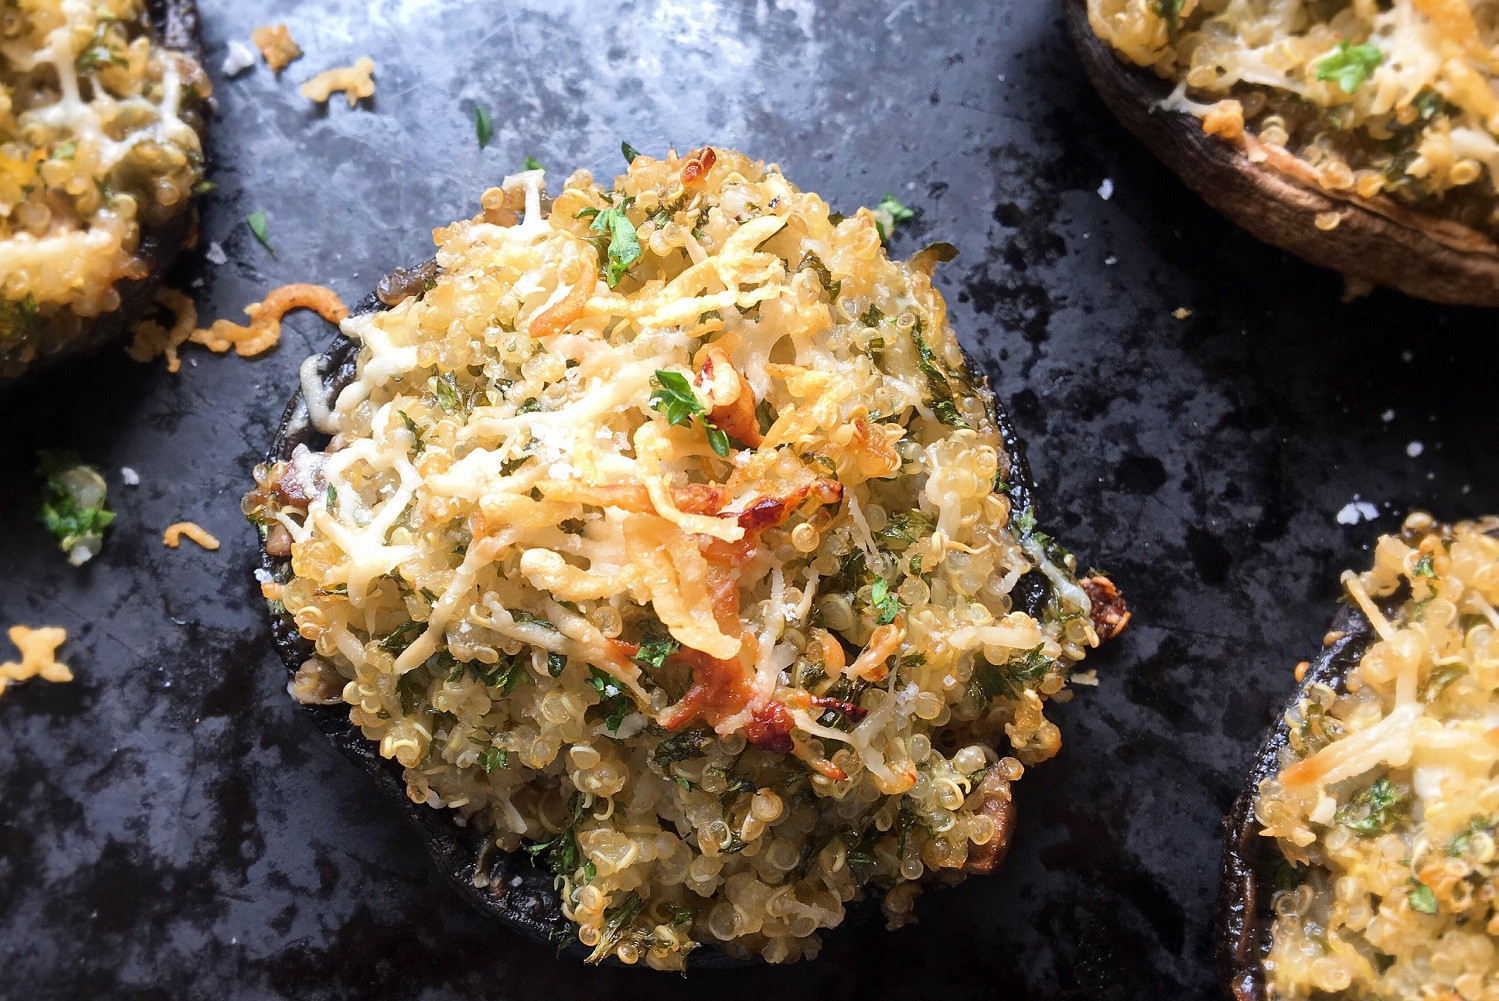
{"points": [[1350, 65], [257, 221], [483, 125]]}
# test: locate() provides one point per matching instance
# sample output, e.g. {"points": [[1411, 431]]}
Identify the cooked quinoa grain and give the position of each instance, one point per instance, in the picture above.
{"points": [[664, 534]]}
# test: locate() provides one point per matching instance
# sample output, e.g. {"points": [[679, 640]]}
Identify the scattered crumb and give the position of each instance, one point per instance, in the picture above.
{"points": [[355, 81], [1181, 312], [1111, 260], [129, 477], [1106, 189], [215, 253], [174, 534], [1414, 449], [1088, 677], [239, 58], [1355, 511], [264, 330], [1406, 356], [276, 45], [152, 340], [1301, 670], [1326, 221], [1388, 415], [38, 656]]}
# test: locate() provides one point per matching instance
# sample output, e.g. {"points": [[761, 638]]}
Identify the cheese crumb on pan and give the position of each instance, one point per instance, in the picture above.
{"points": [[175, 533], [38, 656], [277, 46], [264, 329], [1385, 801], [665, 532], [152, 340], [356, 82]]}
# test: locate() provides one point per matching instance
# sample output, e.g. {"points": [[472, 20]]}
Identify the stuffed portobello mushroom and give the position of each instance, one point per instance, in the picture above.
{"points": [[1363, 136], [669, 558], [1360, 860], [102, 109]]}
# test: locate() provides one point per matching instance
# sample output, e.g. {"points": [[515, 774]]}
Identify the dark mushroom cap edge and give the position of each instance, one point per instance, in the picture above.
{"points": [[1246, 881], [1377, 240]]}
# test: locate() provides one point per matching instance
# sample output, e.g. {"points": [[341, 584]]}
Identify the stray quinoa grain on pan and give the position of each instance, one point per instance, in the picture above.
{"points": [[664, 534], [1384, 802], [100, 156]]}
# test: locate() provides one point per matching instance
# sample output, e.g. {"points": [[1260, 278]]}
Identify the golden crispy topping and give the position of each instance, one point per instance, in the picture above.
{"points": [[174, 534], [38, 656], [276, 45], [356, 82]]}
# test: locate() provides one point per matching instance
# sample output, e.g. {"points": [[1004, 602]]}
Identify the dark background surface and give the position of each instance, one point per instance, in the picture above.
{"points": [[172, 826]]}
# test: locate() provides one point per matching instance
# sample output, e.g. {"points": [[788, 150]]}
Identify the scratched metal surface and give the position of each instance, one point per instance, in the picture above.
{"points": [[173, 827]]}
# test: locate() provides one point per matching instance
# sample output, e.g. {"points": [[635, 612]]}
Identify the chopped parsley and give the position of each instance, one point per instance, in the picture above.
{"points": [[1422, 899], [1350, 65], [257, 221], [1376, 809], [1459, 843], [885, 604], [654, 649], [629, 151], [616, 920], [1007, 680], [73, 504], [483, 125], [495, 757], [65, 151], [812, 261], [943, 403], [1170, 11], [396, 642], [904, 529], [533, 164], [682, 747], [889, 214], [561, 854], [675, 398], [624, 243], [1423, 567], [556, 664], [614, 703]]}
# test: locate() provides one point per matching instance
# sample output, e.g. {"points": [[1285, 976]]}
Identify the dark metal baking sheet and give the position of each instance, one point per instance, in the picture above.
{"points": [[171, 826]]}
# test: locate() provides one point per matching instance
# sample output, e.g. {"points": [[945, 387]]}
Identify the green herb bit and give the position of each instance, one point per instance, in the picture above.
{"points": [[556, 664], [561, 854], [533, 164], [624, 242], [201, 188], [1168, 10], [884, 603], [416, 433], [1350, 65], [904, 529], [257, 221], [824, 276], [401, 637], [1423, 567], [73, 504], [1376, 809], [65, 151], [943, 403], [495, 757], [613, 701], [675, 398], [629, 151], [483, 125], [616, 920], [1009, 680], [889, 214], [1422, 899], [445, 388], [654, 649], [682, 746]]}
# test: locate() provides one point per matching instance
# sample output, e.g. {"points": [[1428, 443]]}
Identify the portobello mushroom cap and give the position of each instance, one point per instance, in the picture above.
{"points": [[178, 29], [1246, 883], [509, 887], [1378, 240]]}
